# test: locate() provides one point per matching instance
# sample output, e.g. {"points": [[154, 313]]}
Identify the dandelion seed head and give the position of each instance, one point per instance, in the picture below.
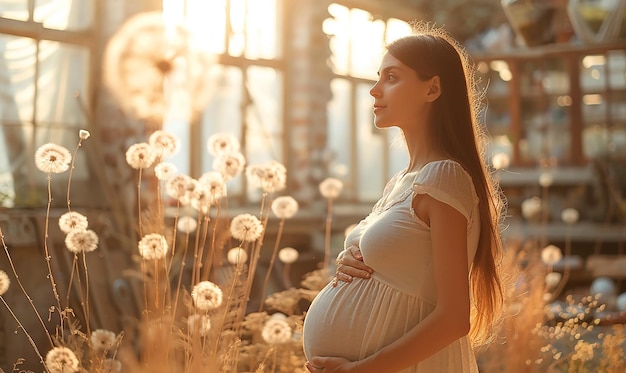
{"points": [[81, 240], [270, 177], [229, 164], [569, 216], [84, 134], [140, 155], [153, 246], [237, 255], [165, 171], [72, 220], [178, 185], [61, 360], [200, 199], [187, 224], [246, 227], [215, 185], [221, 143], [288, 255], [284, 207], [102, 339], [52, 158], [4, 282], [531, 207], [165, 143], [276, 331], [546, 179], [199, 324], [551, 255], [330, 187], [206, 296]]}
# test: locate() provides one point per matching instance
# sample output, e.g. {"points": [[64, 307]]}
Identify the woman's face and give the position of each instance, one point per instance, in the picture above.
{"points": [[400, 97]]}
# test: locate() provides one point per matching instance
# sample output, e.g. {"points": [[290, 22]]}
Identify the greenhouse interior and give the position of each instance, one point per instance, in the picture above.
{"points": [[186, 186]]}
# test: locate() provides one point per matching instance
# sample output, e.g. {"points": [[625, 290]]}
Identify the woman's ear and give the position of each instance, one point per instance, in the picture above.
{"points": [[435, 89]]}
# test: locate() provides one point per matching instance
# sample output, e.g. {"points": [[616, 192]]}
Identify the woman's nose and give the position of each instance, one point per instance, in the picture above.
{"points": [[374, 91]]}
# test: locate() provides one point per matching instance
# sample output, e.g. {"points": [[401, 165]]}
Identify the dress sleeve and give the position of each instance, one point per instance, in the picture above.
{"points": [[448, 182]]}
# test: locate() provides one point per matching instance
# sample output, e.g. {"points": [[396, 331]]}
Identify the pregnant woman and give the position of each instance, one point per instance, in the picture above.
{"points": [[431, 243]]}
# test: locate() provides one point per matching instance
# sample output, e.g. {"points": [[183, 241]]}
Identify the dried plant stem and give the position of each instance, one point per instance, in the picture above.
{"points": [[69, 179], [205, 231], [86, 305], [30, 339], [194, 280], [139, 215], [210, 261], [19, 282], [49, 258], [281, 225], [329, 219]]}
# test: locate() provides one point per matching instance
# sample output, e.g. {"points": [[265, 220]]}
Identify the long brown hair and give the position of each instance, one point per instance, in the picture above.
{"points": [[457, 132]]}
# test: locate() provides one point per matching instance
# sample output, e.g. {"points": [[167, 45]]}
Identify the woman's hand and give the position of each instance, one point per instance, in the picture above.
{"points": [[331, 365], [350, 264]]}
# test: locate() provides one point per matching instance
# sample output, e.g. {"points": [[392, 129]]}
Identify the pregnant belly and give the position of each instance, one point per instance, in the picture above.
{"points": [[357, 319]]}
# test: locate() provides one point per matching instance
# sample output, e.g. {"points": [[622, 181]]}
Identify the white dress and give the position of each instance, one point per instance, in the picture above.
{"points": [[354, 320]]}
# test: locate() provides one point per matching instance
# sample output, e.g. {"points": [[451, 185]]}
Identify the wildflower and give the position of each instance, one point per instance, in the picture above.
{"points": [[569, 216], [288, 255], [270, 177], [83, 134], [246, 227], [153, 246], [206, 296], [188, 196], [81, 240], [237, 255], [165, 143], [229, 164], [52, 158], [102, 340], [187, 224], [583, 351], [221, 143], [164, 171], [330, 187], [4, 282], [214, 183], [140, 155], [551, 254], [111, 366], [177, 186], [199, 323], [61, 360], [284, 207], [72, 220], [276, 331]]}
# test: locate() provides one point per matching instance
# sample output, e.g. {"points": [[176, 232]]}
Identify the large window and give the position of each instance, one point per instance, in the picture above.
{"points": [[364, 156], [45, 49], [248, 93]]}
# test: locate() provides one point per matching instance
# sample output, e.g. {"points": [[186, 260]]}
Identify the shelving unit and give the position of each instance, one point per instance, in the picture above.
{"points": [[558, 104]]}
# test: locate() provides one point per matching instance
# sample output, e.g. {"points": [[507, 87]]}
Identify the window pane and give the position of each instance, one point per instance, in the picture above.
{"points": [[264, 133], [17, 84], [261, 29], [14, 9], [223, 114], [340, 141], [63, 72], [371, 147], [340, 40], [367, 39], [207, 23], [64, 14], [396, 29]]}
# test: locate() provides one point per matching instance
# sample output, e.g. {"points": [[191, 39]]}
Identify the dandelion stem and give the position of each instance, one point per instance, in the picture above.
{"points": [[30, 339], [281, 224], [47, 252], [86, 309], [69, 285], [329, 218], [19, 282], [69, 179]]}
